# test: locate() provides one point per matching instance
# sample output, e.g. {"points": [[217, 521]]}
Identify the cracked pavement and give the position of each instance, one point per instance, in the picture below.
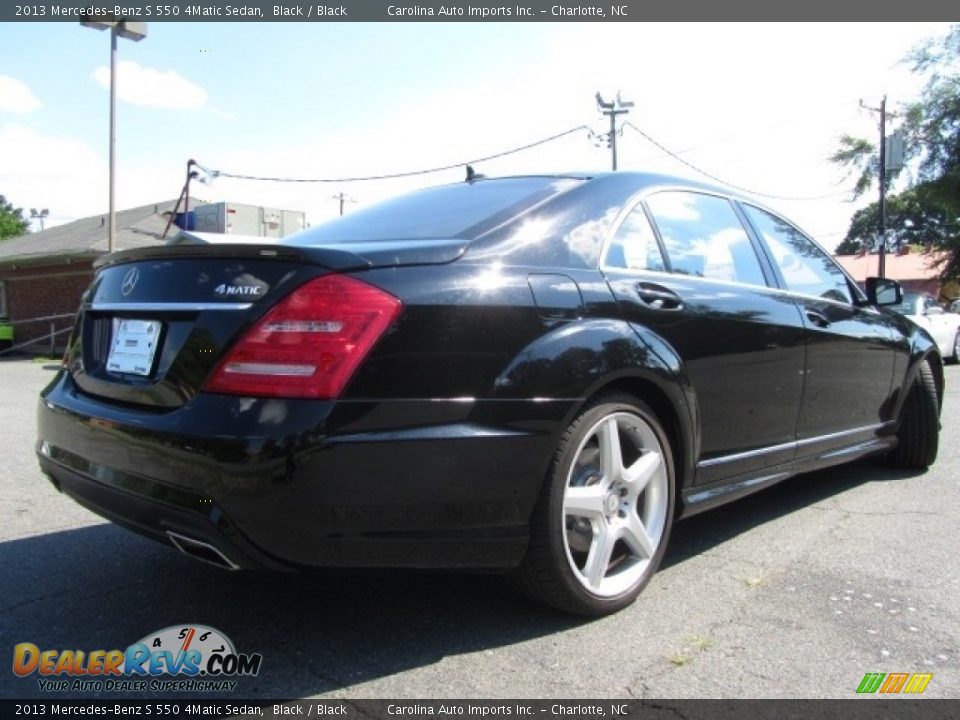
{"points": [[796, 592]]}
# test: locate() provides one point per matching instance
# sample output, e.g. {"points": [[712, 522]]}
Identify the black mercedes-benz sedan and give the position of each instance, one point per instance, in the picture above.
{"points": [[533, 375]]}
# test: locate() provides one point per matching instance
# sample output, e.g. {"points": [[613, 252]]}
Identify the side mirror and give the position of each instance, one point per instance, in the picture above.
{"points": [[883, 291]]}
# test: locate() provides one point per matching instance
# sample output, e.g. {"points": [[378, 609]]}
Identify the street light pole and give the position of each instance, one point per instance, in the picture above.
{"points": [[112, 228], [40, 216], [135, 31]]}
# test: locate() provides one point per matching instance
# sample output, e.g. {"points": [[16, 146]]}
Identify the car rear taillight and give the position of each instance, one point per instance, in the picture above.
{"points": [[310, 344]]}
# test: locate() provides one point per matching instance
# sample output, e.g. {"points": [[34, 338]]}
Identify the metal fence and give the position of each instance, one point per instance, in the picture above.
{"points": [[51, 336]]}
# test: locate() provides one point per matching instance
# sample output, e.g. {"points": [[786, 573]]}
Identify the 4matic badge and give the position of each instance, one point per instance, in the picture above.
{"points": [[201, 657], [224, 290]]}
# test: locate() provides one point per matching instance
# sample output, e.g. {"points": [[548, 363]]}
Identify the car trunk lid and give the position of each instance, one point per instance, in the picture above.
{"points": [[156, 321]]}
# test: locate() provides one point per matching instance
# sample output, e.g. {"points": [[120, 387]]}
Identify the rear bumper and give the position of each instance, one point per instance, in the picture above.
{"points": [[298, 484], [100, 489]]}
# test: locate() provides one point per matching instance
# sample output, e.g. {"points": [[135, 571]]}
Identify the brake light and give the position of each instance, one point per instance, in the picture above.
{"points": [[310, 344]]}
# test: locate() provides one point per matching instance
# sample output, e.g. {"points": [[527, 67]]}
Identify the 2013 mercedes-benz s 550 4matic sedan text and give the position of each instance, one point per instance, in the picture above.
{"points": [[536, 375]]}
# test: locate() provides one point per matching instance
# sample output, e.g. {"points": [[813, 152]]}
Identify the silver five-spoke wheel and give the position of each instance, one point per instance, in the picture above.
{"points": [[615, 504], [604, 514]]}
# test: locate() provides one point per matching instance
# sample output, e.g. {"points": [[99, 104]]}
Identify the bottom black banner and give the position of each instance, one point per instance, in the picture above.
{"points": [[866, 708]]}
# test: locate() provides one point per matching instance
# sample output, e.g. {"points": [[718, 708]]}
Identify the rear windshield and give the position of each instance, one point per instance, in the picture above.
{"points": [[465, 210]]}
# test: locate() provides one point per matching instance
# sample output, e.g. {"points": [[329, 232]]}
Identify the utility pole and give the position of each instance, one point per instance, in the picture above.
{"points": [[184, 198], [881, 271], [343, 198], [611, 110], [882, 229]]}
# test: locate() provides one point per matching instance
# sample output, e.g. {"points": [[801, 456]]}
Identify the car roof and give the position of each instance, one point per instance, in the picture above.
{"points": [[637, 177], [641, 180]]}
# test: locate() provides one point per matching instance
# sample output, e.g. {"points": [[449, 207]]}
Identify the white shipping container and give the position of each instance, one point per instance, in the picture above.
{"points": [[236, 219]]}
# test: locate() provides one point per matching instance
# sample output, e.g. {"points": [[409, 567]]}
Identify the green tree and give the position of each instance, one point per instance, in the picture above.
{"points": [[12, 222], [933, 123], [914, 217], [929, 211]]}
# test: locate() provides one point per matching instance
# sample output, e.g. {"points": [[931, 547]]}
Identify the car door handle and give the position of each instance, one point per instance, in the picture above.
{"points": [[817, 318], [658, 297]]}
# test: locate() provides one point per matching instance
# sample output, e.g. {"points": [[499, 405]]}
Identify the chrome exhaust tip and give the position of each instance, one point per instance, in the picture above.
{"points": [[202, 551]]}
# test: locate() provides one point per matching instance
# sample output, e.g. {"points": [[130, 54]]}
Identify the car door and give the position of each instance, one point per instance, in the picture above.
{"points": [[694, 280], [850, 346]]}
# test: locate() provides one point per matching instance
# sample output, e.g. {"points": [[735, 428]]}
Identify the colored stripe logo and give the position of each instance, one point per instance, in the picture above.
{"points": [[894, 683]]}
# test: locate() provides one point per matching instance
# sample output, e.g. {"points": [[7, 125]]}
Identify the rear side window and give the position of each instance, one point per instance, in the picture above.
{"points": [[464, 210], [703, 237], [805, 267], [634, 246]]}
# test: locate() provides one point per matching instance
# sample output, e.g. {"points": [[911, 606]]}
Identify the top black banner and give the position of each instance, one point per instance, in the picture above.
{"points": [[470, 11]]}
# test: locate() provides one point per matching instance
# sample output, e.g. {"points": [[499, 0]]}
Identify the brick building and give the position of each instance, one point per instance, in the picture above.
{"points": [[44, 274], [919, 271]]}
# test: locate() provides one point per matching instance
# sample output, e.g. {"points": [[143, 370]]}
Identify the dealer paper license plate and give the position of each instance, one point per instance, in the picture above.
{"points": [[133, 347]]}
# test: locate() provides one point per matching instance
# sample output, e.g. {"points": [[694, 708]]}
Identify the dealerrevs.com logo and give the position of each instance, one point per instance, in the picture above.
{"points": [[177, 658]]}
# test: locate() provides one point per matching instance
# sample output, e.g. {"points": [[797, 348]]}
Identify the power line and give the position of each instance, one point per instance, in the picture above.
{"points": [[389, 176], [675, 156], [212, 174]]}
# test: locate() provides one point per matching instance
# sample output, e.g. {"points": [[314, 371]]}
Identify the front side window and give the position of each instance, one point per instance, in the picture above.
{"points": [[634, 246], [806, 269], [703, 237]]}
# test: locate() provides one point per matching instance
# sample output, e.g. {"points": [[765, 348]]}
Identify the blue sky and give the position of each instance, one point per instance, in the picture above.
{"points": [[760, 106]]}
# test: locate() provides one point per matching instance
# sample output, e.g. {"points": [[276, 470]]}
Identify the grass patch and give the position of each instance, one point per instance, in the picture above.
{"points": [[701, 643], [697, 644], [758, 580]]}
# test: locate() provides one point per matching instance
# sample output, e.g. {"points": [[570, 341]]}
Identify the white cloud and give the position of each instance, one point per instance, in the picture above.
{"points": [[16, 96], [69, 176], [53, 171], [147, 87]]}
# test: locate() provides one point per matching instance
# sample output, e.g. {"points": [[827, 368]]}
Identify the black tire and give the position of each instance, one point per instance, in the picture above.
{"points": [[955, 357], [549, 572], [918, 435]]}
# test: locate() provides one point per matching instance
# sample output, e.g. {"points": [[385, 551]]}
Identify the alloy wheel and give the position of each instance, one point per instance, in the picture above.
{"points": [[615, 504]]}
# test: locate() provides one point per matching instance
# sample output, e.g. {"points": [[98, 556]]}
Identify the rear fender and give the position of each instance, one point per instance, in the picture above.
{"points": [[579, 360]]}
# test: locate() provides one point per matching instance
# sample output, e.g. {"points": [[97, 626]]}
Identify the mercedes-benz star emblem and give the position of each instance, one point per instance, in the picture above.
{"points": [[129, 281]]}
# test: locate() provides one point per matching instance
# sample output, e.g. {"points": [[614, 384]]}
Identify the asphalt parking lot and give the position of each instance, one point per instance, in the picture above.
{"points": [[795, 592]]}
